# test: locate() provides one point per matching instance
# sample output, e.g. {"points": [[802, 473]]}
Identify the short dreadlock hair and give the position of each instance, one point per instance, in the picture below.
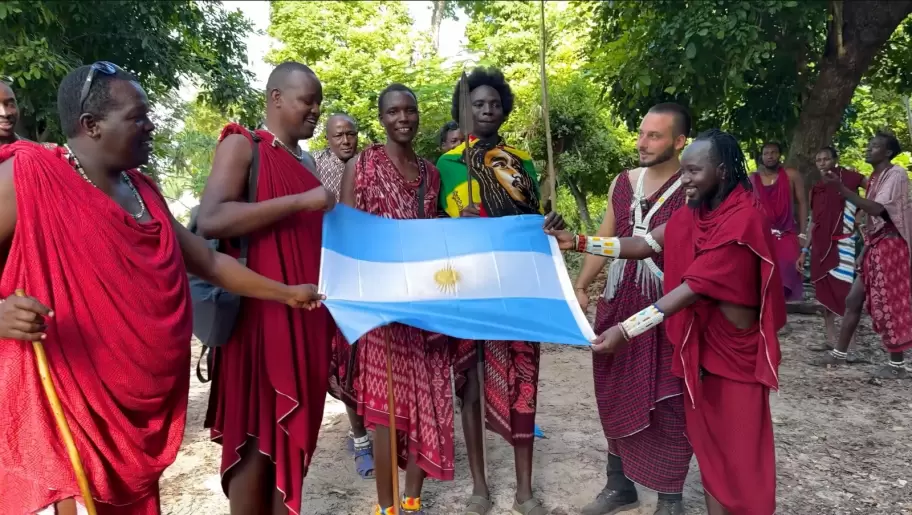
{"points": [[486, 77], [727, 152]]}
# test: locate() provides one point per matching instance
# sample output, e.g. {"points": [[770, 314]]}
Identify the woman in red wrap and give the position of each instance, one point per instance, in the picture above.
{"points": [[94, 240], [723, 331], [884, 281], [270, 379], [393, 182], [833, 242]]}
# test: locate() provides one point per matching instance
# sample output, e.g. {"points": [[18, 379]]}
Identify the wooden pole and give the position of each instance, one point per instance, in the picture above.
{"points": [[391, 400], [50, 392], [544, 83], [465, 126]]}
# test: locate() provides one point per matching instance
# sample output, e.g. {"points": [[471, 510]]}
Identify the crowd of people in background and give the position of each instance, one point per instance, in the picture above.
{"points": [[686, 356]]}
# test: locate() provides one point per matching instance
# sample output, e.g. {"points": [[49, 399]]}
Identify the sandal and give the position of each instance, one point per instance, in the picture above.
{"points": [[531, 507], [478, 505], [364, 462], [411, 505]]}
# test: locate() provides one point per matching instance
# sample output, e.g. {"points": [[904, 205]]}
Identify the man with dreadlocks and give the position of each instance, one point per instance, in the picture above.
{"points": [[640, 401], [723, 330]]}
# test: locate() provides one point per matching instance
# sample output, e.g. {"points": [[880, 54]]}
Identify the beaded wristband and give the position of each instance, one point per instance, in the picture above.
{"points": [[653, 244], [610, 247], [641, 322]]}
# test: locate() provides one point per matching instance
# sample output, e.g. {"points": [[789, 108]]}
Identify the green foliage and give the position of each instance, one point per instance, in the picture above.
{"points": [[360, 49], [871, 110], [742, 66], [163, 43], [185, 145]]}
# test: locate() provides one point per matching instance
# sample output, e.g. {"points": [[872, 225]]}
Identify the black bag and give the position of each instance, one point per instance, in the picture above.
{"points": [[215, 310]]}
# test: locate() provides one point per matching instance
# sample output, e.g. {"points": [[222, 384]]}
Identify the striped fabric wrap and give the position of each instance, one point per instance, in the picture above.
{"points": [[845, 271]]}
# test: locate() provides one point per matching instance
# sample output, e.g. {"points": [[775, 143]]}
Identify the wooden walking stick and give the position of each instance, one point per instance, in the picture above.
{"points": [[391, 400], [465, 126], [51, 393]]}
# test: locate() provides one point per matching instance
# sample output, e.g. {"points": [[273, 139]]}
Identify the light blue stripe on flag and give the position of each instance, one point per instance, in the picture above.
{"points": [[482, 278]]}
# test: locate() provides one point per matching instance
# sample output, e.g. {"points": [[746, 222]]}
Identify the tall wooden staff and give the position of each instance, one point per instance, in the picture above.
{"points": [[544, 83], [63, 427], [465, 126], [391, 400]]}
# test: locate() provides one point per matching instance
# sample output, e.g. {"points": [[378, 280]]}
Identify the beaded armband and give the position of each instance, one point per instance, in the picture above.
{"points": [[609, 247], [642, 322], [653, 244]]}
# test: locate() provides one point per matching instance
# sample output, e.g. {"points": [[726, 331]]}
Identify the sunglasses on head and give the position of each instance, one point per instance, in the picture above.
{"points": [[103, 67]]}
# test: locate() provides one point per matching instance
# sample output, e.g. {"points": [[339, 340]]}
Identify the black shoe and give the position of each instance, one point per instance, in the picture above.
{"points": [[610, 502], [668, 507]]}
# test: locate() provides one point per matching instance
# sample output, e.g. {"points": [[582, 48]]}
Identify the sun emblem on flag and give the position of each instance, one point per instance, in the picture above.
{"points": [[447, 278]]}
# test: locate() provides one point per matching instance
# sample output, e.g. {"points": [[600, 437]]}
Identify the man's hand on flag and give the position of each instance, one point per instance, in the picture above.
{"points": [[565, 239], [609, 342], [304, 296], [554, 221]]}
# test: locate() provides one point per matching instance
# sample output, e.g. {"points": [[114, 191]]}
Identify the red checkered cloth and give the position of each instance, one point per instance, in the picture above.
{"points": [[639, 400]]}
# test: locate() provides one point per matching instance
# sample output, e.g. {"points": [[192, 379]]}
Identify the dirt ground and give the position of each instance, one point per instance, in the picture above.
{"points": [[844, 445]]}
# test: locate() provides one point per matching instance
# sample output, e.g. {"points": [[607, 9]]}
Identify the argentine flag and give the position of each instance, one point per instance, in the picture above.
{"points": [[475, 278]]}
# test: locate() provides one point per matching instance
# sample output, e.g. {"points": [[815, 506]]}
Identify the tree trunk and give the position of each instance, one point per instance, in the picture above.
{"points": [[866, 27], [436, 20], [581, 205]]}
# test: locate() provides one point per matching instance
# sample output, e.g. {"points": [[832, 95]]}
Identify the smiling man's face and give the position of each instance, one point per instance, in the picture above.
{"points": [[9, 113]]}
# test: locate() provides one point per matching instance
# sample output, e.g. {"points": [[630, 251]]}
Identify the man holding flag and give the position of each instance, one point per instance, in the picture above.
{"points": [[503, 183]]}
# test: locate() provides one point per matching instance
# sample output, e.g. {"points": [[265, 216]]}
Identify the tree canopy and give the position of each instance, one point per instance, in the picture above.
{"points": [[766, 70]]}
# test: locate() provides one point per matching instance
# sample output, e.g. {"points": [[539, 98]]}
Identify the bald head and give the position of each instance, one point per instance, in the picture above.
{"points": [[342, 136], [9, 113], [293, 98], [281, 75]]}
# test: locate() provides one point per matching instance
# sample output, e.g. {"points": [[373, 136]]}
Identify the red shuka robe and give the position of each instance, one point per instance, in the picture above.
{"points": [[118, 346], [727, 371], [271, 377]]}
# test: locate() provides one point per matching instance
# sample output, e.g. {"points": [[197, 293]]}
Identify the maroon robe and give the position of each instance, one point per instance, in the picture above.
{"points": [[727, 371]]}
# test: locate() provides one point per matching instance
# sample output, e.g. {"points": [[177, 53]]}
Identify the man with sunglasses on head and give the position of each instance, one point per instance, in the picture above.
{"points": [[271, 377], [104, 266]]}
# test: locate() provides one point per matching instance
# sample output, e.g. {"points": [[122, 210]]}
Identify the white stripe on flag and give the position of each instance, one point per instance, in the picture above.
{"points": [[489, 275]]}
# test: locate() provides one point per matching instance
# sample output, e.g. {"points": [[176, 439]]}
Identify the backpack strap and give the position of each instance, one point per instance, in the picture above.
{"points": [[252, 182]]}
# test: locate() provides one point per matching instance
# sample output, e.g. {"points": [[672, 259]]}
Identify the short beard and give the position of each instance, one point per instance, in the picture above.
{"points": [[705, 201], [663, 157]]}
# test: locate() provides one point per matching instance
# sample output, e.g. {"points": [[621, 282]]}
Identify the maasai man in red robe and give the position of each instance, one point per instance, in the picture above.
{"points": [[833, 242], [271, 378], [724, 305], [504, 184], [885, 271], [779, 189], [393, 182], [105, 265], [9, 115], [639, 400]]}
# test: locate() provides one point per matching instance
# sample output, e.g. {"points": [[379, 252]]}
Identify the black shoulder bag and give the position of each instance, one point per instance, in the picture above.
{"points": [[215, 310]]}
